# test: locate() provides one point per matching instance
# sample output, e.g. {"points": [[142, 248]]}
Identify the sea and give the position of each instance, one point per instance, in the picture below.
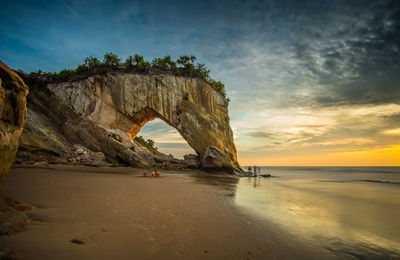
{"points": [[349, 212]]}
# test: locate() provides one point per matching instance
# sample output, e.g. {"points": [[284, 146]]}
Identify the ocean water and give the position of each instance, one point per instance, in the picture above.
{"points": [[349, 212]]}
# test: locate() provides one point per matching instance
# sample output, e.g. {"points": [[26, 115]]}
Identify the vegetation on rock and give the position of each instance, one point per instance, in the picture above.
{"points": [[184, 66], [149, 144]]}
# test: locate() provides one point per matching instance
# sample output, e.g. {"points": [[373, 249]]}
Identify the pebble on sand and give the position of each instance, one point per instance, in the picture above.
{"points": [[77, 241]]}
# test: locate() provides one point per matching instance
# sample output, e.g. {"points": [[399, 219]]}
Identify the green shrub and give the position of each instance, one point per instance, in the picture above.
{"points": [[110, 59], [128, 61], [81, 68], [187, 66], [64, 75], [218, 86], [140, 63], [184, 66], [149, 144], [91, 62], [164, 64]]}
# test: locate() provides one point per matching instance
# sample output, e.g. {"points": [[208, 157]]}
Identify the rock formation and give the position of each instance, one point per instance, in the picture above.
{"points": [[13, 93], [105, 112]]}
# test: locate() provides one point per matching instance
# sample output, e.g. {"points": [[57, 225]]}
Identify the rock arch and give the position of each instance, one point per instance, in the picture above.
{"points": [[198, 112], [127, 101]]}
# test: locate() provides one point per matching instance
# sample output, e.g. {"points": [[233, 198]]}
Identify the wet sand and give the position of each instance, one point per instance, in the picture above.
{"points": [[118, 214], [349, 212]]}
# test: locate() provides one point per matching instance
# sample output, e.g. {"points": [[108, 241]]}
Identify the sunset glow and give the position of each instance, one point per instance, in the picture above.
{"points": [[314, 85], [392, 131], [389, 156]]}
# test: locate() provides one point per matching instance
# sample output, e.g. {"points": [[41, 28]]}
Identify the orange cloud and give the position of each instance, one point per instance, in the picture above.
{"points": [[392, 131]]}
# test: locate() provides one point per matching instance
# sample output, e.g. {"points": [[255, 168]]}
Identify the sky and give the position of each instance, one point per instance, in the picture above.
{"points": [[310, 82]]}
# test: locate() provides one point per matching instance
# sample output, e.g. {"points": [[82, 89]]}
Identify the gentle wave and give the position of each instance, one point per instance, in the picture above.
{"points": [[379, 181]]}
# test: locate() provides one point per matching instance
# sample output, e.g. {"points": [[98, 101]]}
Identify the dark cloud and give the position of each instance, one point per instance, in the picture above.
{"points": [[392, 120], [357, 60]]}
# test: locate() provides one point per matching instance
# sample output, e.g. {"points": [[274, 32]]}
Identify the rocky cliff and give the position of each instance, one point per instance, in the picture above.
{"points": [[100, 115], [13, 93]]}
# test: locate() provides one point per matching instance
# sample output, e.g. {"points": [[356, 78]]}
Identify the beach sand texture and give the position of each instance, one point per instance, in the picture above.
{"points": [[118, 214]]}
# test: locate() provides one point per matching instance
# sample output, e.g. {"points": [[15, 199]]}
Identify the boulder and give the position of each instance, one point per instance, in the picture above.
{"points": [[13, 92], [87, 157], [215, 159], [191, 161]]}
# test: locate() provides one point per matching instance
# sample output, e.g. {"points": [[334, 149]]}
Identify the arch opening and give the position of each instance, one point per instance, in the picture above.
{"points": [[167, 140]]}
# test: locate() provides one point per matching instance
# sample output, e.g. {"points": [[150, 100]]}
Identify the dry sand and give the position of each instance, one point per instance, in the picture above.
{"points": [[118, 214]]}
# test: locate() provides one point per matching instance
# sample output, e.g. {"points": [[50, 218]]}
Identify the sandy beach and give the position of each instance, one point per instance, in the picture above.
{"points": [[118, 214]]}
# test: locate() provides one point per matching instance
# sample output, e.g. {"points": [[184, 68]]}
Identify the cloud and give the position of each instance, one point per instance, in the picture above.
{"points": [[163, 145], [348, 141], [328, 130], [395, 131], [301, 75], [260, 134], [356, 60]]}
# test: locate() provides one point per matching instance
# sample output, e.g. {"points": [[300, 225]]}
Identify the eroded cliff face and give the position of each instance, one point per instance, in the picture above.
{"points": [[13, 93], [105, 112]]}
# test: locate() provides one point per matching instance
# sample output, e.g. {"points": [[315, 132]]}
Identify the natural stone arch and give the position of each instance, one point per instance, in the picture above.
{"points": [[89, 110], [190, 105]]}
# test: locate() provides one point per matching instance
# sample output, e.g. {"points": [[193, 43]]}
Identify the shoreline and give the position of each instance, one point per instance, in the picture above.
{"points": [[116, 213]]}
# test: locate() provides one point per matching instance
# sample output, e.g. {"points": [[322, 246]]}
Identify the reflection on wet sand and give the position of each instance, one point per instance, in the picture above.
{"points": [[227, 182], [350, 219]]}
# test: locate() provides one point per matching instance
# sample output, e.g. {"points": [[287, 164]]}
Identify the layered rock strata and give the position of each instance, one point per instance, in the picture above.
{"points": [[104, 113]]}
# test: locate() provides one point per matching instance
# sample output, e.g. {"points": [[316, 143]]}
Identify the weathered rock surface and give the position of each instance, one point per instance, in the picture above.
{"points": [[13, 93], [214, 158], [86, 157], [104, 113]]}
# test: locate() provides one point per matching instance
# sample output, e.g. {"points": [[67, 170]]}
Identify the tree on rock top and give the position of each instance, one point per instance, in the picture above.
{"points": [[110, 59]]}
